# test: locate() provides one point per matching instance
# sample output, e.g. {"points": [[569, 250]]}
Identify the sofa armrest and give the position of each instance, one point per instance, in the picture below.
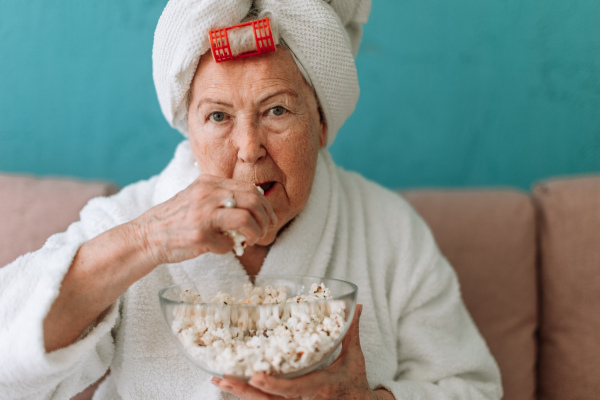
{"points": [[489, 238], [569, 227]]}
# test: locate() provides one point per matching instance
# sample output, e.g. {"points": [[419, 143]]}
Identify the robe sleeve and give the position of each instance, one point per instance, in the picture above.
{"points": [[441, 354], [28, 288]]}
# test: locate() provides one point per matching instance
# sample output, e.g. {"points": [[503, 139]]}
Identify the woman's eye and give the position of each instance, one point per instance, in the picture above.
{"points": [[217, 116], [277, 111]]}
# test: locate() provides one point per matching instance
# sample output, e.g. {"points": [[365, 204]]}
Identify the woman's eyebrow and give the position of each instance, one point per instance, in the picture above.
{"points": [[213, 101], [289, 92]]}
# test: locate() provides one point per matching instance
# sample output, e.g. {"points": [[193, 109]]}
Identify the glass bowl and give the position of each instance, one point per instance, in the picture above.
{"points": [[268, 340]]}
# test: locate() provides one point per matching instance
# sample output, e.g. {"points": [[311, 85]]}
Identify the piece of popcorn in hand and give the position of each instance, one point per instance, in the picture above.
{"points": [[239, 242]]}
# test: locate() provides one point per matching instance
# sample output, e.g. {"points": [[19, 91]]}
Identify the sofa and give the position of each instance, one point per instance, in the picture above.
{"points": [[528, 264]]}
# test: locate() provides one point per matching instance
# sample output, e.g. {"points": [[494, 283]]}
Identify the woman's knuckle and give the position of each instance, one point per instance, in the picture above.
{"points": [[204, 178], [195, 190], [201, 187], [245, 219], [197, 236], [213, 215]]}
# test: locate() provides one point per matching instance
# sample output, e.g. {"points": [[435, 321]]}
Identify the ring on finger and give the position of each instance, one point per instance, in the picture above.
{"points": [[229, 202]]}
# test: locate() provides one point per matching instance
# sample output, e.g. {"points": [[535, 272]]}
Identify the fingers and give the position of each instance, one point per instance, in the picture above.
{"points": [[193, 221], [303, 386], [231, 184], [247, 198], [330, 382], [257, 205], [240, 190], [241, 221], [273, 386], [242, 390], [352, 338]]}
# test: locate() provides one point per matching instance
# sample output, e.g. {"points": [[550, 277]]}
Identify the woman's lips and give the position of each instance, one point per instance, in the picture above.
{"points": [[267, 187]]}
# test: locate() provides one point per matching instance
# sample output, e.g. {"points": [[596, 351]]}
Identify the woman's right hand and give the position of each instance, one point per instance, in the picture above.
{"points": [[183, 227], [192, 222]]}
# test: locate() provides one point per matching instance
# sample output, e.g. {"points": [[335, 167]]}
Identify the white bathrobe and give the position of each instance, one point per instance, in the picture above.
{"points": [[417, 338]]}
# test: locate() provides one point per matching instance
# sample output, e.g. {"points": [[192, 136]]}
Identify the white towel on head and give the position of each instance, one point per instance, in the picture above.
{"points": [[323, 35]]}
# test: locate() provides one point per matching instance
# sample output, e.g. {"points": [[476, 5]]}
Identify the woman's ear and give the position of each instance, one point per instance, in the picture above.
{"points": [[323, 132], [323, 135]]}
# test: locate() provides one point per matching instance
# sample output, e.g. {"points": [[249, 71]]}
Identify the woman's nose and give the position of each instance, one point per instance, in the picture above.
{"points": [[250, 143]]}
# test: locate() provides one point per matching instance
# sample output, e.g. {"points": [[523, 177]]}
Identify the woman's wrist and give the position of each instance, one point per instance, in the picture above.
{"points": [[139, 231], [101, 271], [120, 254]]}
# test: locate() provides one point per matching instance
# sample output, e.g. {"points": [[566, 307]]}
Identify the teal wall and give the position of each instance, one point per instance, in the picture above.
{"points": [[454, 93]]}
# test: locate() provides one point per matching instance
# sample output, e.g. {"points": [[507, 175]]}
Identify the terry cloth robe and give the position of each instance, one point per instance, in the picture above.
{"points": [[418, 340]]}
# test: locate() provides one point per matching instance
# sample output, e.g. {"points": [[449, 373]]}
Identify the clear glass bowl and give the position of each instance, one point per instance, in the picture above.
{"points": [[342, 294]]}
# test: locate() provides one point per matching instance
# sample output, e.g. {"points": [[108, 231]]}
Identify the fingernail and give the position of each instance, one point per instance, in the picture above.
{"points": [[215, 381]]}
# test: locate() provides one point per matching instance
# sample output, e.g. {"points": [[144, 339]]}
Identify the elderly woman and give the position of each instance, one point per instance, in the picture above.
{"points": [[86, 302]]}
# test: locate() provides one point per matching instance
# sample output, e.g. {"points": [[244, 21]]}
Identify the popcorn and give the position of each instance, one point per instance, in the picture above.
{"points": [[239, 240], [282, 336]]}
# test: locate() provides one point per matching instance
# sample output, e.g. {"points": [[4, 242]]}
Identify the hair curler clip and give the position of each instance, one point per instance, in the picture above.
{"points": [[244, 40]]}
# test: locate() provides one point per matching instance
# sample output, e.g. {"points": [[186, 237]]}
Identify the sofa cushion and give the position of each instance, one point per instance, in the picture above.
{"points": [[569, 226], [32, 209], [489, 238]]}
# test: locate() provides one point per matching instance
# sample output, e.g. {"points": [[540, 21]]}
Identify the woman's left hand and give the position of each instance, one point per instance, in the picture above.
{"points": [[346, 378]]}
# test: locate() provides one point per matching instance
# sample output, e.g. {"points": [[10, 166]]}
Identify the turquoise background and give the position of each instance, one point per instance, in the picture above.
{"points": [[454, 93]]}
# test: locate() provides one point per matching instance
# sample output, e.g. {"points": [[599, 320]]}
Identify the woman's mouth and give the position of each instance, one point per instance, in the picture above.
{"points": [[267, 186]]}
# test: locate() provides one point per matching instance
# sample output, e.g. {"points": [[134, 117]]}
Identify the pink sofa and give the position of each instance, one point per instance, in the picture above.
{"points": [[32, 209], [529, 266]]}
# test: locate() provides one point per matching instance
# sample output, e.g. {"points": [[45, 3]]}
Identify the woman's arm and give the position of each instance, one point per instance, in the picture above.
{"points": [[102, 270], [184, 227], [50, 297]]}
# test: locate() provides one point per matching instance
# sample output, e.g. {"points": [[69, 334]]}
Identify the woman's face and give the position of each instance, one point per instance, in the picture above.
{"points": [[257, 120]]}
